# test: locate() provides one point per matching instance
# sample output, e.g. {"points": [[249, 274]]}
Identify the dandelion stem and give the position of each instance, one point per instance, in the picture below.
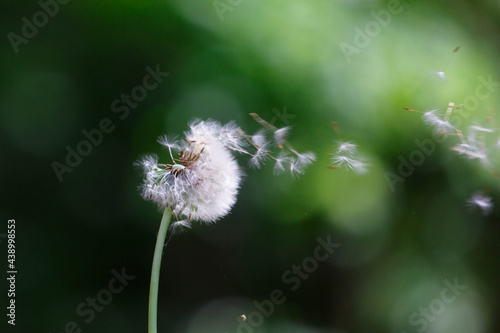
{"points": [[155, 270]]}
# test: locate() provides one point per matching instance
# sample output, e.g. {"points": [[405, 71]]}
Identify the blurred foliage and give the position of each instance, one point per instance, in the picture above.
{"points": [[283, 60]]}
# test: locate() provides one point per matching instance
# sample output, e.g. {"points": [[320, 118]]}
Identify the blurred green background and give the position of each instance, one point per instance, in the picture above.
{"points": [[225, 59]]}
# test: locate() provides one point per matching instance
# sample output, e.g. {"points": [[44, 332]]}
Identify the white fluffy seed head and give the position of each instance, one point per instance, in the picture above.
{"points": [[202, 183]]}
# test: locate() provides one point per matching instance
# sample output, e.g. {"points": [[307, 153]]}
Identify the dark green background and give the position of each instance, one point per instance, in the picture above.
{"points": [[396, 247]]}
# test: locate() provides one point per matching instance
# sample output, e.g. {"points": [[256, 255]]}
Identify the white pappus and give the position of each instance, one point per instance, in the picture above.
{"points": [[202, 183]]}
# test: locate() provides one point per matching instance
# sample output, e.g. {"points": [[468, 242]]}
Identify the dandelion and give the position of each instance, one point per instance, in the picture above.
{"points": [[481, 201], [441, 75], [201, 183]]}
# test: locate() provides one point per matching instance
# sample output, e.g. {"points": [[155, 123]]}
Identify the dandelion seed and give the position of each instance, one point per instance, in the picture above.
{"points": [[439, 126], [295, 168], [481, 201], [345, 155], [259, 158], [280, 136], [439, 75], [201, 184], [340, 161], [410, 109], [169, 142], [474, 147], [280, 162], [359, 167], [178, 227], [346, 148], [451, 105], [306, 158], [231, 137], [470, 151]]}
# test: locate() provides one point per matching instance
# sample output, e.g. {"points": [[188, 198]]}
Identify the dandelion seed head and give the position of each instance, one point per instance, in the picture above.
{"points": [[181, 226], [202, 183]]}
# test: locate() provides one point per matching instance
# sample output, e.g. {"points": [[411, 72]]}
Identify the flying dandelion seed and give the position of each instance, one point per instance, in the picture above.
{"points": [[441, 74], [482, 202], [288, 158], [474, 147], [439, 125], [345, 155]]}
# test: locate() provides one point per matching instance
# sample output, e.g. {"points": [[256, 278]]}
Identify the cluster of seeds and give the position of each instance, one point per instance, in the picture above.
{"points": [[473, 146]]}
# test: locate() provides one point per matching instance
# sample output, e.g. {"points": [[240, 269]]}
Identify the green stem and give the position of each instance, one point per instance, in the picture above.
{"points": [[155, 270]]}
